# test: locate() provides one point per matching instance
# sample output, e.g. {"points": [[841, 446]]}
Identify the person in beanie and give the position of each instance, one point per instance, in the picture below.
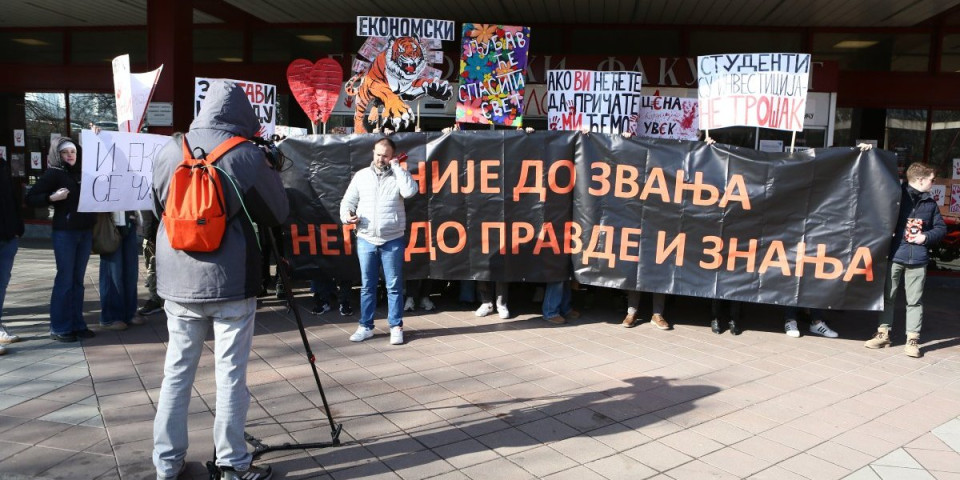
{"points": [[11, 229], [72, 238], [919, 227], [217, 288]]}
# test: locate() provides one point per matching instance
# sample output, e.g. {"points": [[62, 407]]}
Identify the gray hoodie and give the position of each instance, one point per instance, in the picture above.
{"points": [[232, 272]]}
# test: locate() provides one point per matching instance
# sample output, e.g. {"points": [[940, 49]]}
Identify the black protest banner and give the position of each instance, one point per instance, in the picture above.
{"points": [[684, 218]]}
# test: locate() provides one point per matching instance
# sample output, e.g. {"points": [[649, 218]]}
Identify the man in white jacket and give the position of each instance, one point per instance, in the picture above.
{"points": [[374, 202]]}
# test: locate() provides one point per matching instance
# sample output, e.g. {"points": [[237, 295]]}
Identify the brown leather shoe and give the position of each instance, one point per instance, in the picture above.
{"points": [[658, 321], [629, 321], [558, 320]]}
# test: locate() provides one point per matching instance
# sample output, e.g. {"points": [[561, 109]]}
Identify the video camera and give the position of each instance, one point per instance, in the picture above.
{"points": [[270, 150]]}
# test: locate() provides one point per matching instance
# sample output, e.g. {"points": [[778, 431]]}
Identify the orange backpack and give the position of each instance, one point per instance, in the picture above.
{"points": [[195, 215]]}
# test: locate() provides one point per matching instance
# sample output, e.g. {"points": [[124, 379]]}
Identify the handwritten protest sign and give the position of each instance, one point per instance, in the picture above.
{"points": [[133, 92], [668, 117], [754, 90], [492, 64], [606, 102], [118, 170], [262, 96]]}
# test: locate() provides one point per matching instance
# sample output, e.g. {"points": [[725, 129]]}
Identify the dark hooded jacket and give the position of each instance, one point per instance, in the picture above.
{"points": [[921, 206], [61, 175], [11, 225], [232, 272]]}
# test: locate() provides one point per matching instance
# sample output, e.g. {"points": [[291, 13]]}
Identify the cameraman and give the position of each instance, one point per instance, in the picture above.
{"points": [[218, 287]]}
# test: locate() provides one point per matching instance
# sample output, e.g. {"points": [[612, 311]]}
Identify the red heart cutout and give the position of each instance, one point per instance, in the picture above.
{"points": [[299, 77], [327, 79]]}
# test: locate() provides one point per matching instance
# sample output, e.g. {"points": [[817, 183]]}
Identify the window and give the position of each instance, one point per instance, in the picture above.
{"points": [[714, 42], [284, 45], [944, 141], [99, 109], [217, 45], [98, 47], [906, 134], [873, 51], [31, 47]]}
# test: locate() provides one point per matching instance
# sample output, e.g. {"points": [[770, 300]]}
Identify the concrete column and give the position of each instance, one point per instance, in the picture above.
{"points": [[170, 43]]}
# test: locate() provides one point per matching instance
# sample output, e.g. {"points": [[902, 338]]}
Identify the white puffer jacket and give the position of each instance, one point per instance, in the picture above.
{"points": [[377, 198]]}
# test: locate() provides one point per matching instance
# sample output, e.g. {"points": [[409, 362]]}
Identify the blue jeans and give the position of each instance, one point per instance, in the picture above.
{"points": [[118, 281], [71, 248], [8, 249], [556, 299], [372, 257], [188, 324]]}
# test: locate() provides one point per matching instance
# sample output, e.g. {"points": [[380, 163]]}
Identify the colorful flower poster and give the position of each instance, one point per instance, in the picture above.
{"points": [[493, 65]]}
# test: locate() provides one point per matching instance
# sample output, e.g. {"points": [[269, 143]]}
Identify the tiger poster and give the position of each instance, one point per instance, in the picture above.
{"points": [[393, 68], [493, 66]]}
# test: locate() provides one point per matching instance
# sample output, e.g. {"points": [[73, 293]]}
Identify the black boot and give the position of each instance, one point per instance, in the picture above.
{"points": [[734, 330], [715, 326]]}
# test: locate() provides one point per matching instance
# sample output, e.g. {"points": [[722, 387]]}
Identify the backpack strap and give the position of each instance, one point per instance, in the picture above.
{"points": [[215, 154]]}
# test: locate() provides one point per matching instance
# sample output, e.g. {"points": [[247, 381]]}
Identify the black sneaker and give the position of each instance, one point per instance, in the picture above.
{"points": [[321, 308], [346, 310], [65, 338], [150, 307], [252, 473], [85, 333]]}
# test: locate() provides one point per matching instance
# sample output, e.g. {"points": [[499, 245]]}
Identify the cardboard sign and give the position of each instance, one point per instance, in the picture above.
{"points": [[668, 117], [118, 170], [939, 194], [955, 198], [262, 96], [389, 71], [766, 90], [405, 27], [133, 92], [493, 59], [606, 102]]}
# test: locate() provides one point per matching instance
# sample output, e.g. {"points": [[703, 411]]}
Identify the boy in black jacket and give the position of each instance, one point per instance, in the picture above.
{"points": [[919, 227]]}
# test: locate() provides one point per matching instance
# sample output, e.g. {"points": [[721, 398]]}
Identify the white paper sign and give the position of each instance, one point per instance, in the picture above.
{"points": [[956, 168], [766, 90], [118, 170], [607, 102], [133, 92], [262, 96], [18, 140], [3, 153], [35, 159], [668, 117]]}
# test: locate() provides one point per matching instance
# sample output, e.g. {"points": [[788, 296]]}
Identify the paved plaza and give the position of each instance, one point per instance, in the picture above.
{"points": [[481, 398]]}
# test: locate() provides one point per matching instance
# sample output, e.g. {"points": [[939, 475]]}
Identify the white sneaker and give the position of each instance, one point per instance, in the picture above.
{"points": [[427, 304], [361, 334], [7, 337], [503, 312], [791, 329], [822, 329], [410, 305], [484, 310], [396, 335]]}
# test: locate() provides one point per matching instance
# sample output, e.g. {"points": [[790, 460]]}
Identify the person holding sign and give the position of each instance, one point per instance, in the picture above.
{"points": [[72, 238], [919, 227], [11, 229], [374, 203]]}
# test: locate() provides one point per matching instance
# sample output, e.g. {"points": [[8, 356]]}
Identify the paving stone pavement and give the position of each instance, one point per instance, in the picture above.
{"points": [[481, 398]]}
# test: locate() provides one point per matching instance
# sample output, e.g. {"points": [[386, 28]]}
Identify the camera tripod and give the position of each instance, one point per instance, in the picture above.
{"points": [[260, 448]]}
